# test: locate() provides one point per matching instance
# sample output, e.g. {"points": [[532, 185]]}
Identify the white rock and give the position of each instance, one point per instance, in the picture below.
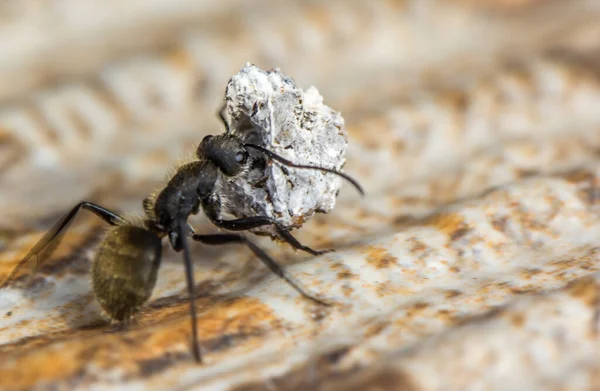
{"points": [[268, 109]]}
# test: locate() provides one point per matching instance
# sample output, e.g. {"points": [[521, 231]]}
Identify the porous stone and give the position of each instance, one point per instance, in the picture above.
{"points": [[268, 109]]}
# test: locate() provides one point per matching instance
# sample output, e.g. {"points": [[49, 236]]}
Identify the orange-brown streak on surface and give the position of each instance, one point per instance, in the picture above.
{"points": [[63, 356]]}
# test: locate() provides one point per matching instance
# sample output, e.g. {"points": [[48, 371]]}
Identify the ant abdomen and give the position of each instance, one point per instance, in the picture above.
{"points": [[124, 270]]}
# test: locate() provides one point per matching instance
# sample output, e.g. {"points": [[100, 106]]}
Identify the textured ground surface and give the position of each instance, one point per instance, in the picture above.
{"points": [[471, 264]]}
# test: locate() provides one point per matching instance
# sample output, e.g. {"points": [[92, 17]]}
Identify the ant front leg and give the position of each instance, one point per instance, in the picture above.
{"points": [[219, 239], [212, 211], [292, 241]]}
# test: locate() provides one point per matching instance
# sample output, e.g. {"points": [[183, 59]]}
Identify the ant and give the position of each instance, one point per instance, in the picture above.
{"points": [[125, 267]]}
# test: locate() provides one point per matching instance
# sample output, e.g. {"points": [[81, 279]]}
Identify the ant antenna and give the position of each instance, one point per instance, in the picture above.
{"points": [[286, 162], [223, 118]]}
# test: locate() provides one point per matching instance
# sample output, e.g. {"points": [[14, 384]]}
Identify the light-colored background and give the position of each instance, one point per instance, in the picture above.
{"points": [[474, 127]]}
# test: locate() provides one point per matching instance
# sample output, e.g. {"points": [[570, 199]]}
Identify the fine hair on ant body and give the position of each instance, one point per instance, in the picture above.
{"points": [[125, 267]]}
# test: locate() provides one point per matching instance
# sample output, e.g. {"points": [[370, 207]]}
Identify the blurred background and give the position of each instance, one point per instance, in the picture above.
{"points": [[443, 101], [92, 93]]}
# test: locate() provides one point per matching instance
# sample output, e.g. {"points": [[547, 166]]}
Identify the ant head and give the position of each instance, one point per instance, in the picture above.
{"points": [[226, 151]]}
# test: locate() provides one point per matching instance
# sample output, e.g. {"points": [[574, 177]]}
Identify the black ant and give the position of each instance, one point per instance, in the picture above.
{"points": [[125, 267]]}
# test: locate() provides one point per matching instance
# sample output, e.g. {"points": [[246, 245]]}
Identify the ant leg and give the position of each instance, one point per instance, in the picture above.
{"points": [[292, 241], [212, 210], [60, 227], [218, 239], [247, 223], [189, 274], [244, 223], [54, 235]]}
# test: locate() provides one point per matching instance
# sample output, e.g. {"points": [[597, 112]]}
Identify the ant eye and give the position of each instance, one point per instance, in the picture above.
{"points": [[240, 157]]}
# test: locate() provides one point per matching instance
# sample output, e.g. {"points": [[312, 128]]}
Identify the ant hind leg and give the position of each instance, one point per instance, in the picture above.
{"points": [[50, 241]]}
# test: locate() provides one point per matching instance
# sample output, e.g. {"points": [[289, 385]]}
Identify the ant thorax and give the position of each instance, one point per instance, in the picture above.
{"points": [[267, 108]]}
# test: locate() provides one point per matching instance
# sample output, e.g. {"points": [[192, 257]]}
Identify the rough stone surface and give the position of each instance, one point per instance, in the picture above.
{"points": [[268, 109], [471, 264]]}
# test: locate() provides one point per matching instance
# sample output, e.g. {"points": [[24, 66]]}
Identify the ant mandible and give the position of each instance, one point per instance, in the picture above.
{"points": [[125, 267]]}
